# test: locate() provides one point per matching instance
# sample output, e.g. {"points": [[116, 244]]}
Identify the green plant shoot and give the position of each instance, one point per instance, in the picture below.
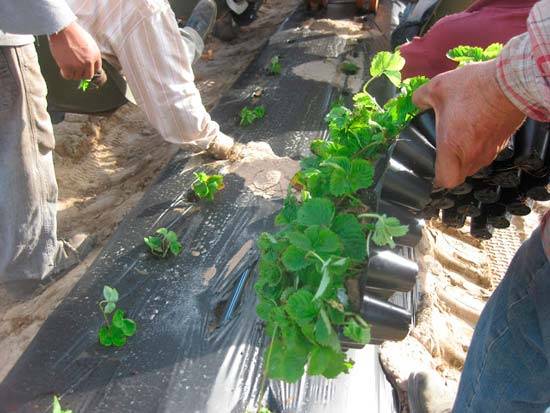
{"points": [[349, 68], [118, 328], [325, 233], [275, 66], [56, 406], [206, 186], [163, 243], [84, 85], [471, 54], [249, 116]]}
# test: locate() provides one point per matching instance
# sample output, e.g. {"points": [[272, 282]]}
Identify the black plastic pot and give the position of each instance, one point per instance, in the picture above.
{"points": [[414, 152], [387, 321], [401, 186], [534, 187], [532, 142], [462, 189], [515, 202], [508, 152], [497, 216], [487, 193], [467, 205], [428, 213], [405, 217], [425, 124], [483, 173], [389, 271], [480, 229], [441, 200], [452, 218], [510, 178]]}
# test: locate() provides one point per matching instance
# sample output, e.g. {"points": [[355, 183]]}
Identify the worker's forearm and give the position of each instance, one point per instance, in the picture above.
{"points": [[157, 64]]}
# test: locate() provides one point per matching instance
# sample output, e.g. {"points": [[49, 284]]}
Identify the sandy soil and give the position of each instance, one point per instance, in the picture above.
{"points": [[104, 165]]}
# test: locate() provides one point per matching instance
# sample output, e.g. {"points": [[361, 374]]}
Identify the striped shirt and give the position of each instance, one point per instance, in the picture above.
{"points": [[523, 73], [141, 37]]}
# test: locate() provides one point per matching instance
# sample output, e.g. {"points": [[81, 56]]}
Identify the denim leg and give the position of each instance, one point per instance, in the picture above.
{"points": [[507, 368], [28, 190]]}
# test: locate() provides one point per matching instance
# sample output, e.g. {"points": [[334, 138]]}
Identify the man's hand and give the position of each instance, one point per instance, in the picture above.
{"points": [[474, 120], [75, 52]]}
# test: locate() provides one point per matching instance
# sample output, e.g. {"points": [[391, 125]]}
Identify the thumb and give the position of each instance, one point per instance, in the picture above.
{"points": [[422, 97]]}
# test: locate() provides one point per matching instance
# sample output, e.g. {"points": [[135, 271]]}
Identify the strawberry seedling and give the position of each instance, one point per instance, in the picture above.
{"points": [[166, 241], [56, 406], [115, 331], [249, 116], [464, 55], [349, 68], [325, 232], [206, 186], [84, 85], [275, 66]]}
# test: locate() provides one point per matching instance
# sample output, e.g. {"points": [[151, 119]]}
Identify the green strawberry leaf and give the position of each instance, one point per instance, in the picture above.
{"points": [[316, 211], [358, 333]]}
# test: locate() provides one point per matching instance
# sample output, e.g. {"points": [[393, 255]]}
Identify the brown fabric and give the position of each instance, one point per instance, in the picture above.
{"points": [[28, 189]]}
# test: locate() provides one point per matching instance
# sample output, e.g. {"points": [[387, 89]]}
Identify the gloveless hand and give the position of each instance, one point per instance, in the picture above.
{"points": [[75, 52], [474, 120]]}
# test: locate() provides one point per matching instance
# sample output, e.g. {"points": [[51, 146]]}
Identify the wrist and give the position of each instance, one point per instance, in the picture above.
{"points": [[63, 32]]}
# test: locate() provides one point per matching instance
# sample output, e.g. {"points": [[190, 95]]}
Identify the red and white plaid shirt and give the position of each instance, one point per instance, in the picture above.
{"points": [[523, 72]]}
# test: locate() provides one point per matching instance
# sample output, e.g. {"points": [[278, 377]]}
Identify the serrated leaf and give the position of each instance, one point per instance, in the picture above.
{"points": [[386, 229], [324, 333], [286, 364], [327, 362], [388, 64], [364, 100], [316, 211], [322, 239], [118, 318], [263, 309], [299, 240], [301, 308], [270, 272], [339, 183], [109, 308], [358, 333], [118, 337], [110, 294], [129, 327], [104, 335], [361, 174], [289, 212], [349, 230], [294, 259]]}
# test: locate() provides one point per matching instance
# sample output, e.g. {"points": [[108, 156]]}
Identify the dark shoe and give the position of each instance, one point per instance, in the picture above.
{"points": [[203, 17], [428, 394], [69, 255]]}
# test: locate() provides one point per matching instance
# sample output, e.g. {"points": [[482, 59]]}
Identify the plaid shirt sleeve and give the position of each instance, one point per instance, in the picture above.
{"points": [[523, 68]]}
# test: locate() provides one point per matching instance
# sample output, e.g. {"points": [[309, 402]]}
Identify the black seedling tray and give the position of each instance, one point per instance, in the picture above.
{"points": [[389, 271]]}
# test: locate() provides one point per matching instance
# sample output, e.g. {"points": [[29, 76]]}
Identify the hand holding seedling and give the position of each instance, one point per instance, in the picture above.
{"points": [[474, 120]]}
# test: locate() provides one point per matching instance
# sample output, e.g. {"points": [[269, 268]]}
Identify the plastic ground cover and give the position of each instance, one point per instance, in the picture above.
{"points": [[199, 343]]}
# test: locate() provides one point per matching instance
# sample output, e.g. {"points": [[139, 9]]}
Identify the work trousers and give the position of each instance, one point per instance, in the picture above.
{"points": [[28, 190], [156, 58], [507, 369]]}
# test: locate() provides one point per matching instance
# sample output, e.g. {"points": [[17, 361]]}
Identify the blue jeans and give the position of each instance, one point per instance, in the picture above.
{"points": [[508, 365]]}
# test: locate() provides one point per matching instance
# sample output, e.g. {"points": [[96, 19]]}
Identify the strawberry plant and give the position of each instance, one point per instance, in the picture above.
{"points": [[468, 54], [206, 186], [349, 68], [325, 233], [56, 406], [164, 242], [275, 66], [84, 85], [116, 330], [249, 116]]}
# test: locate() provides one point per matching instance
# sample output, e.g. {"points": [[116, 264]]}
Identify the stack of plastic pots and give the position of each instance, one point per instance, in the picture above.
{"points": [[403, 189], [491, 197]]}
